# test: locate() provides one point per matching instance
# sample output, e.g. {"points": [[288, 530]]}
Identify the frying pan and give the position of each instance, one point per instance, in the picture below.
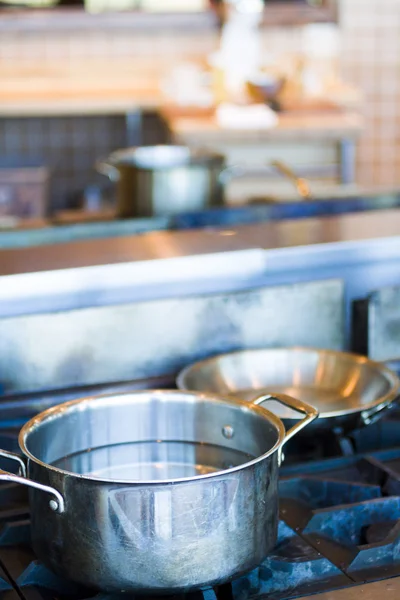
{"points": [[349, 390]]}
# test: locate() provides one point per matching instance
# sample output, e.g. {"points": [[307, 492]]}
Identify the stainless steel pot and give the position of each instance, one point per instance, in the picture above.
{"points": [[349, 390], [164, 180], [154, 491]]}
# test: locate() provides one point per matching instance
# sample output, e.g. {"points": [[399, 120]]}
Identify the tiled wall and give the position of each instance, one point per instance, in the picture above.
{"points": [[70, 146], [155, 49], [370, 59]]}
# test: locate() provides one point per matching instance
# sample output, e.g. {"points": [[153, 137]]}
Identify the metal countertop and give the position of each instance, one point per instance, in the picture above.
{"points": [[163, 245], [362, 249]]}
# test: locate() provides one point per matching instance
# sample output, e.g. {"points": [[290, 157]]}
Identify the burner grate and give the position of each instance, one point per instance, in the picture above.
{"points": [[300, 496], [363, 539], [294, 568]]}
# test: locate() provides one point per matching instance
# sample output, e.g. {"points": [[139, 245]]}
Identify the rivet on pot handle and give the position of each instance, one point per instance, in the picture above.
{"points": [[56, 503], [296, 405]]}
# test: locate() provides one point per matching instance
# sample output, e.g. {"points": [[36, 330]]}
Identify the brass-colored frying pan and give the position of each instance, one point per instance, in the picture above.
{"points": [[348, 390]]}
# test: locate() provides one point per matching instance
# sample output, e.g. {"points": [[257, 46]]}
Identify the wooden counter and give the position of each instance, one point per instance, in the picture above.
{"points": [[95, 86], [91, 86], [91, 104], [300, 126]]}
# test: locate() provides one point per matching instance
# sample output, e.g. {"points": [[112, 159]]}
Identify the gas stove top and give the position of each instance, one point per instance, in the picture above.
{"points": [[339, 526]]}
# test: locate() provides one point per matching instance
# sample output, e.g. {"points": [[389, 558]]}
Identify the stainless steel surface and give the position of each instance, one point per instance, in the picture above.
{"points": [[56, 504], [393, 364], [24, 405], [389, 589], [16, 458], [347, 153], [157, 498], [302, 186], [363, 250], [164, 180], [302, 236], [117, 343], [346, 389], [294, 405]]}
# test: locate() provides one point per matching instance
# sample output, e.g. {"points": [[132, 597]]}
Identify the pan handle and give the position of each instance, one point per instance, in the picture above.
{"points": [[369, 417], [310, 412], [56, 504]]}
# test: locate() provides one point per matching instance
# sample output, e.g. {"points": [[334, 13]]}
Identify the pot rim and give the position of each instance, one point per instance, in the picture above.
{"points": [[55, 412], [359, 359], [185, 156]]}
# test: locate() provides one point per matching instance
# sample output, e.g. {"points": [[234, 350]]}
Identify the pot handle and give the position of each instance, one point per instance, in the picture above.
{"points": [[309, 411], [56, 504], [106, 168]]}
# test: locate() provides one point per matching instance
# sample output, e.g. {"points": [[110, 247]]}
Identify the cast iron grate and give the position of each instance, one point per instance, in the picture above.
{"points": [[362, 539]]}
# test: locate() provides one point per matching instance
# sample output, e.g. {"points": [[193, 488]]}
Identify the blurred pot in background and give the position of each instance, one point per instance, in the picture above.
{"points": [[164, 180]]}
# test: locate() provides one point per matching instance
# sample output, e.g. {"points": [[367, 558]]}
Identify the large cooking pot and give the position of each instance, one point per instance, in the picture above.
{"points": [[154, 491], [348, 390], [164, 180]]}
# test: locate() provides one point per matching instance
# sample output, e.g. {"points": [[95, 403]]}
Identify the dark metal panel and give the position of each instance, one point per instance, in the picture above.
{"points": [[382, 323]]}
